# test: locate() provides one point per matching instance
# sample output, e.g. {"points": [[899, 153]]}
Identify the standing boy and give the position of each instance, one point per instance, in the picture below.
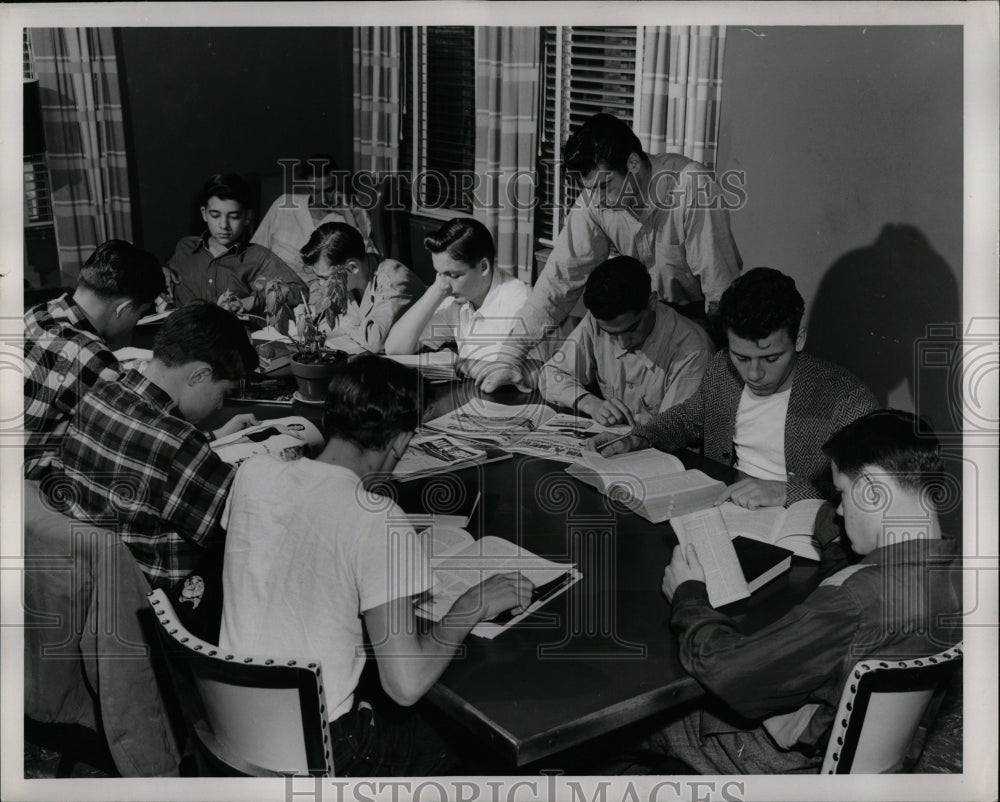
{"points": [[664, 209], [763, 405], [312, 554], [642, 356], [221, 265], [69, 342], [135, 462]]}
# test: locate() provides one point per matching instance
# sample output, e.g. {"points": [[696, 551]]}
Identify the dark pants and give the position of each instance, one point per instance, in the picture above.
{"points": [[367, 744]]}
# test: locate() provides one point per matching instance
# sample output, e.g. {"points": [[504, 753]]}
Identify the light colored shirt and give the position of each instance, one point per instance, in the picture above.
{"points": [[689, 249], [479, 333], [392, 290], [759, 435], [289, 223], [665, 370], [307, 552]]}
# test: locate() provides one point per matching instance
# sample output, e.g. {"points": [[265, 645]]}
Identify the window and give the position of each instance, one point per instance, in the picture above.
{"points": [[444, 120], [585, 70], [37, 196]]}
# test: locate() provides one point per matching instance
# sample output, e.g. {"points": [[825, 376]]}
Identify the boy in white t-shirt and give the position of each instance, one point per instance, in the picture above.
{"points": [[471, 302], [312, 555], [763, 406]]}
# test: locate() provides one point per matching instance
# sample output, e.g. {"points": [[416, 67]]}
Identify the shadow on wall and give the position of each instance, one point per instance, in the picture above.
{"points": [[876, 309]]}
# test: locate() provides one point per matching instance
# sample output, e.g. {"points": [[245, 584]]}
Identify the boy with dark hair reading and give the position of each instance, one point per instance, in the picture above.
{"points": [[472, 302], [312, 553], [639, 354], [134, 460], [69, 342], [763, 405], [378, 290], [781, 685], [221, 265]]}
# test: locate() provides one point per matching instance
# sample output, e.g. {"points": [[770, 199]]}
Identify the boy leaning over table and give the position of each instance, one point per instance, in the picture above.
{"points": [[774, 694], [132, 459], [639, 354], [69, 341], [763, 405], [314, 555]]}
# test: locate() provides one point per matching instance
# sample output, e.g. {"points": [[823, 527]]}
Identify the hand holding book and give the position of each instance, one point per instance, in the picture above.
{"points": [[684, 566]]}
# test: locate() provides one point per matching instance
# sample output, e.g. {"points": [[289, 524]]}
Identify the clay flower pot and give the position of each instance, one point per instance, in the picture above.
{"points": [[313, 372]]}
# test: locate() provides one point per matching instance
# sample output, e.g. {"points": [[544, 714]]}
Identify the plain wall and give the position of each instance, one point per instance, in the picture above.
{"points": [[200, 101], [851, 140]]}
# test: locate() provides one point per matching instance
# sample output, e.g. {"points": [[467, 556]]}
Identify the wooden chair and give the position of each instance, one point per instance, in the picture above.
{"points": [[249, 716], [885, 711]]}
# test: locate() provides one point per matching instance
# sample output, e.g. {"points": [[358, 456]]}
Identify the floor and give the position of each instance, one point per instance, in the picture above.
{"points": [[46, 754]]}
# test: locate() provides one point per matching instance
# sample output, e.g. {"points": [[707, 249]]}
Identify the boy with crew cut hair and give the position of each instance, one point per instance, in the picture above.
{"points": [[312, 553], [642, 356], [781, 686], [133, 459], [69, 341], [221, 265], [763, 405]]}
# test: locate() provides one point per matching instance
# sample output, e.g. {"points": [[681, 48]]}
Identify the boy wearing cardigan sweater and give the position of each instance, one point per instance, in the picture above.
{"points": [[763, 406]]}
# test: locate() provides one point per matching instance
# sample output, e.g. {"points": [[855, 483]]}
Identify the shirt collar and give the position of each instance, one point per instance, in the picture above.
{"points": [[137, 383], [236, 247], [64, 306]]}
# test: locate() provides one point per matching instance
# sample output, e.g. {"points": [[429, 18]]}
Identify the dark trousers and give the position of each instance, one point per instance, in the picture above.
{"points": [[369, 744]]}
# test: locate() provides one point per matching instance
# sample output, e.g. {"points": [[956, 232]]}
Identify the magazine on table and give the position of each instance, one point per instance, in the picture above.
{"points": [[432, 453], [651, 483], [266, 391], [459, 562], [534, 429], [285, 438]]}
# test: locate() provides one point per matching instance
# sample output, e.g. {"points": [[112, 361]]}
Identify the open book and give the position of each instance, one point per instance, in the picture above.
{"points": [[728, 559], [130, 358], [430, 454], [436, 366], [649, 482], [285, 438], [790, 528], [458, 562], [533, 429]]}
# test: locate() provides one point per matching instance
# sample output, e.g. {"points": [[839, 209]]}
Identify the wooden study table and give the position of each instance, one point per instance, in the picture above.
{"points": [[601, 655]]}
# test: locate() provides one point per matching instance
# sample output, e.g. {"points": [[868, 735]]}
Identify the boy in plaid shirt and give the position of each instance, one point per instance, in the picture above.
{"points": [[133, 459], [68, 342]]}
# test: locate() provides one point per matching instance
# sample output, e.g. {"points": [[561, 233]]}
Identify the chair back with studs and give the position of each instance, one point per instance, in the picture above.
{"points": [[884, 712], [258, 716]]}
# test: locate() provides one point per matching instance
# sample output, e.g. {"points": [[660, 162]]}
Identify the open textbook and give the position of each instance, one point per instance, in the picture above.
{"points": [[790, 528], [285, 438], [651, 483], [533, 429], [436, 366], [458, 562], [728, 561]]}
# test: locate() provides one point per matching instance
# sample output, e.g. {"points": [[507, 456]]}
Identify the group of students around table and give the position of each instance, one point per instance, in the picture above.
{"points": [[307, 548]]}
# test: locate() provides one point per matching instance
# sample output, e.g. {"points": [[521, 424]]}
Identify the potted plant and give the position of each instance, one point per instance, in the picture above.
{"points": [[312, 364]]}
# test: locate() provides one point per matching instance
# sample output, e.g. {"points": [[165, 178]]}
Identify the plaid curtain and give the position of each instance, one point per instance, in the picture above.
{"points": [[85, 140], [682, 90], [506, 137], [377, 98]]}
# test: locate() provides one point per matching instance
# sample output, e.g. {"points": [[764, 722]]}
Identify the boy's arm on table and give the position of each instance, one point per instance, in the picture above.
{"points": [[410, 662]]}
